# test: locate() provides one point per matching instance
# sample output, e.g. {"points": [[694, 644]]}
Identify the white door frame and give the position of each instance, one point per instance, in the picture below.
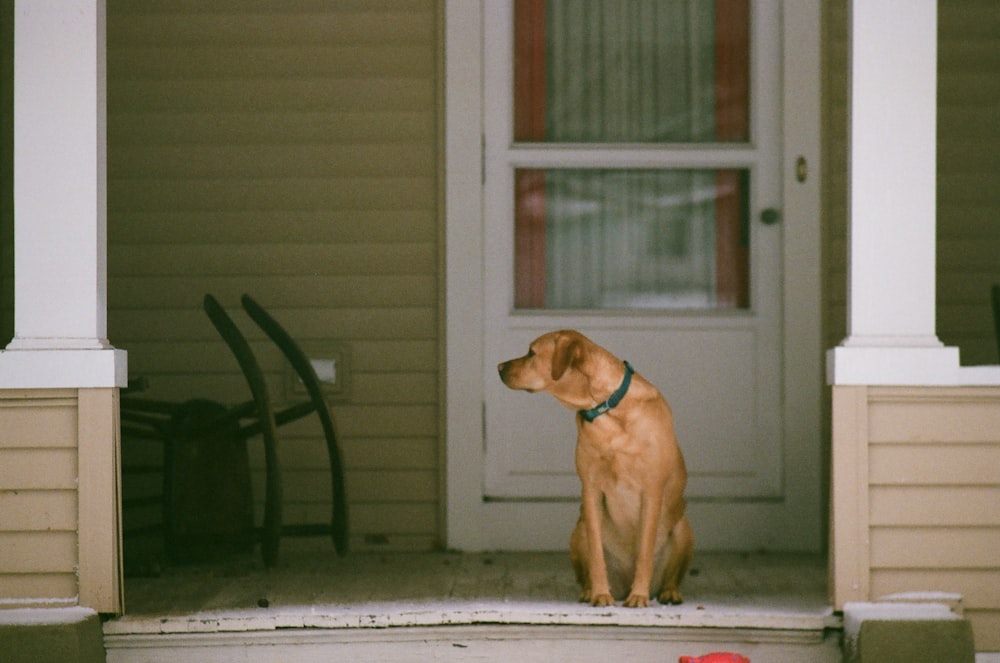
{"points": [[474, 524]]}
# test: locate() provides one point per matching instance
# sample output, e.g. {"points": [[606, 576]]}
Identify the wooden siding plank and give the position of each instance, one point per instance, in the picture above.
{"points": [[263, 161], [385, 324], [362, 454], [41, 588], [38, 552], [328, 291], [395, 519], [231, 25], [391, 453], [930, 465], [37, 510], [38, 468], [923, 506], [216, 61], [948, 420], [185, 356], [372, 487], [275, 260], [338, 95], [375, 487], [271, 128], [296, 227], [935, 547], [392, 486], [289, 194], [38, 424]]}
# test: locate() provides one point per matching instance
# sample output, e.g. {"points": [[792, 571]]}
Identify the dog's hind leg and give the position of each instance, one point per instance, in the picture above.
{"points": [[681, 548]]}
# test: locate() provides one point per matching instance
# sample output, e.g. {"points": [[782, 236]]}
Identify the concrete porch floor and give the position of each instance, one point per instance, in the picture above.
{"points": [[314, 589]]}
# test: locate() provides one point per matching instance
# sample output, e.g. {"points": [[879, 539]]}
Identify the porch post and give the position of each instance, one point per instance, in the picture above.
{"points": [[892, 161], [60, 200], [60, 341]]}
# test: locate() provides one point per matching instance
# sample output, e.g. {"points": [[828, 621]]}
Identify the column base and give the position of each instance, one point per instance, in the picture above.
{"points": [[58, 369], [892, 366]]}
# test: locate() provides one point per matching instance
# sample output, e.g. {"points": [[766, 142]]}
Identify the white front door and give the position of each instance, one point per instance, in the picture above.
{"points": [[636, 217]]}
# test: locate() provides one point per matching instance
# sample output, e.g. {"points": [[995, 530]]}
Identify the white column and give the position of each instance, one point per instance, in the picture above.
{"points": [[892, 161], [60, 200]]}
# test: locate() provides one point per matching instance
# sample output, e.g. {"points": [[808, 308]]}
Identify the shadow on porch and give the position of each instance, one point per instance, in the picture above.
{"points": [[444, 606]]}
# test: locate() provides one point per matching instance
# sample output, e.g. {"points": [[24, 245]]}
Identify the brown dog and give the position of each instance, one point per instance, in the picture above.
{"points": [[632, 539]]}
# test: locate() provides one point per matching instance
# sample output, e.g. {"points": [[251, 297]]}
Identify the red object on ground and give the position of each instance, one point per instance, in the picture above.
{"points": [[718, 657]]}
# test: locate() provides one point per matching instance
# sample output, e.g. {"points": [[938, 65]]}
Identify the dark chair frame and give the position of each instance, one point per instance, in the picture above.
{"points": [[263, 422], [317, 403], [154, 420]]}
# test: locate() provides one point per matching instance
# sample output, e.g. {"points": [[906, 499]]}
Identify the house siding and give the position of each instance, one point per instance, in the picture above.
{"points": [[917, 497], [968, 195], [289, 151], [38, 497]]}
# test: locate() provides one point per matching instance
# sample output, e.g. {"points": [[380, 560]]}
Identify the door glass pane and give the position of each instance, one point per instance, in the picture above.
{"points": [[642, 71], [627, 239]]}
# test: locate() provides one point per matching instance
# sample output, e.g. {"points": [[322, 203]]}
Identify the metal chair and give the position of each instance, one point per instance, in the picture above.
{"points": [[262, 421], [200, 427], [316, 403]]}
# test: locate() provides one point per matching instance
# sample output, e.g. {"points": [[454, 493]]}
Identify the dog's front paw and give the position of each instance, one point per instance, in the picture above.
{"points": [[596, 599], [636, 600], [602, 600], [670, 597]]}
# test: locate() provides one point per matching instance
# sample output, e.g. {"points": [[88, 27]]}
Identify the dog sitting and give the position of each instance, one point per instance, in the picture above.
{"points": [[632, 539]]}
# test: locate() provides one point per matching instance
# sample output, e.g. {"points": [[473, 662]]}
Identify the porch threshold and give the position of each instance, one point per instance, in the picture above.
{"points": [[313, 589]]}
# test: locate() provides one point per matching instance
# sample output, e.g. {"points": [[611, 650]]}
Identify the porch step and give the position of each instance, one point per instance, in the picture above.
{"points": [[475, 606], [525, 631], [485, 642]]}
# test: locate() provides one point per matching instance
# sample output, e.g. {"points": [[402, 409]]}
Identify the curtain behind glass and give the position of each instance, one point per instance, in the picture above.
{"points": [[634, 71]]}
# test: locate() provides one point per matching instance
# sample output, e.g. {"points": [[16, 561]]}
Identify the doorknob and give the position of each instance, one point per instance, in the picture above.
{"points": [[770, 216]]}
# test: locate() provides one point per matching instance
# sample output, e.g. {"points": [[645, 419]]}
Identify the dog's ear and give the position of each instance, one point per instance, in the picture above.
{"points": [[567, 352]]}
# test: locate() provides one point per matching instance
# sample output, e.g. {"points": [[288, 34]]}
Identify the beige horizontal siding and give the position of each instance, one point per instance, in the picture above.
{"points": [[37, 510], [932, 548], [38, 498], [289, 151], [38, 468], [935, 416], [39, 589], [933, 461], [937, 506], [956, 465]]}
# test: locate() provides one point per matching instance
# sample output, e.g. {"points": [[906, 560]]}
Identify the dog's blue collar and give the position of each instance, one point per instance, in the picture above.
{"points": [[613, 400]]}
